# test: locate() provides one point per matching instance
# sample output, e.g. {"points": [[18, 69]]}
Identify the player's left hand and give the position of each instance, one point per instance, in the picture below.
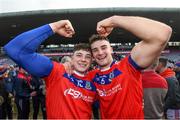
{"points": [[68, 67], [105, 27]]}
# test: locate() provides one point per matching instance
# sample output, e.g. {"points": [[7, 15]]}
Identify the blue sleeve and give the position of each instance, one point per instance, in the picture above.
{"points": [[134, 64], [22, 50]]}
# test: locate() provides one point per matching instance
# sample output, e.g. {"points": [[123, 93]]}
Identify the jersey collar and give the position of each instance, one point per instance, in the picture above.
{"points": [[78, 73], [105, 69]]}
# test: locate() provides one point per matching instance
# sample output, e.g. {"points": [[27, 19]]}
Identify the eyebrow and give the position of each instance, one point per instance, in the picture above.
{"points": [[78, 53], [93, 48], [88, 54], [100, 47], [104, 46], [81, 54]]}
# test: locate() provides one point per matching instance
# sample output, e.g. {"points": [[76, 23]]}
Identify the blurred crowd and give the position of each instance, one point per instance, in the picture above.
{"points": [[19, 87]]}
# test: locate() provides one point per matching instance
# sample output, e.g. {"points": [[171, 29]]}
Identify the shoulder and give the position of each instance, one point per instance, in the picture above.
{"points": [[58, 66], [130, 64], [57, 69]]}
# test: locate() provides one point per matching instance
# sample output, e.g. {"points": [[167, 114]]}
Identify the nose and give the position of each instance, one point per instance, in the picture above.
{"points": [[100, 52], [83, 58]]}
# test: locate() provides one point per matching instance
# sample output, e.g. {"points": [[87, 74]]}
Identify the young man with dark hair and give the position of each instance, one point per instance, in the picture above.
{"points": [[119, 84], [67, 96], [172, 101], [155, 89]]}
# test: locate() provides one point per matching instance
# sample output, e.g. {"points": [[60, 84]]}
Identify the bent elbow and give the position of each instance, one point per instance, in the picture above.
{"points": [[7, 49], [166, 35], [11, 51], [168, 32]]}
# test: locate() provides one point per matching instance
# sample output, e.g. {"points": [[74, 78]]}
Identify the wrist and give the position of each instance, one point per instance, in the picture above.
{"points": [[53, 27], [118, 21], [114, 20]]}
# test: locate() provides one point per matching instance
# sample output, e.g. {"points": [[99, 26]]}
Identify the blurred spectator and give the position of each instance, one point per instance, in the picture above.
{"points": [[172, 101], [177, 70], [54, 59], [8, 82], [38, 85], [9, 76], [155, 90], [5, 98], [66, 59], [23, 93]]}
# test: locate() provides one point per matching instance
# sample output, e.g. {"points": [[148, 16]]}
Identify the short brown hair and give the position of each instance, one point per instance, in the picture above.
{"points": [[82, 46], [163, 61], [96, 37]]}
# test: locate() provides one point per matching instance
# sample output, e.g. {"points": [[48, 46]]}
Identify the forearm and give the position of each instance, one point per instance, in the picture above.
{"points": [[146, 29], [28, 41], [22, 50]]}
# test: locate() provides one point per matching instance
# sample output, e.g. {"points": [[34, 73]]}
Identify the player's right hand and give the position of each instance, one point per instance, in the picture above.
{"points": [[63, 28]]}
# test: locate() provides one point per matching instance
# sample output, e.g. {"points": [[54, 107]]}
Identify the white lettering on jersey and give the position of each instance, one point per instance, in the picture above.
{"points": [[77, 95], [103, 92], [79, 83]]}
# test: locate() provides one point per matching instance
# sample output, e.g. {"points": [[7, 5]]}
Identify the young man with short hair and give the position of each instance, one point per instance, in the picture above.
{"points": [[172, 101], [119, 84], [67, 96], [155, 89]]}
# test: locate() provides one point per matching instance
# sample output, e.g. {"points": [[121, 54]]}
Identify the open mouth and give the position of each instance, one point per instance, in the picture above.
{"points": [[101, 58], [82, 65]]}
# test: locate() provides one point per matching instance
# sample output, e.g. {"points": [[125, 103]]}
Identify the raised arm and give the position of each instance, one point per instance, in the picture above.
{"points": [[154, 36], [22, 48]]}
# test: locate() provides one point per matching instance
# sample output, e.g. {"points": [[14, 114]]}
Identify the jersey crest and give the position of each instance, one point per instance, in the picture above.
{"points": [[80, 83], [106, 78]]}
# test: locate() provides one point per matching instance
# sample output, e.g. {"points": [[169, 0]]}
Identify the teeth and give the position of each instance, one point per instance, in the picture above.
{"points": [[83, 65], [102, 58]]}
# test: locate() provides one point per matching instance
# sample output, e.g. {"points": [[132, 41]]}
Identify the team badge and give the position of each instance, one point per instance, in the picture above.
{"points": [[88, 85]]}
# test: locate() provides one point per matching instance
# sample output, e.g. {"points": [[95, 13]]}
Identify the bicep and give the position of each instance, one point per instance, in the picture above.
{"points": [[145, 53]]}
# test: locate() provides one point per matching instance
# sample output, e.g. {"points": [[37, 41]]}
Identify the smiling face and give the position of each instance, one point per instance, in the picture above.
{"points": [[102, 53], [81, 60]]}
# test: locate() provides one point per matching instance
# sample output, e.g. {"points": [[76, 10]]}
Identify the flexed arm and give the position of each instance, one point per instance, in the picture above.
{"points": [[154, 36], [22, 48]]}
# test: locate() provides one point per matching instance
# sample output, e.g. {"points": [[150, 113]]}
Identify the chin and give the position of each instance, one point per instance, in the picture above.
{"points": [[102, 63], [82, 70]]}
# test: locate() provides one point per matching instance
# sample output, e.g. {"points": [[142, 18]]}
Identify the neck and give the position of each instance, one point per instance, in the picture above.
{"points": [[79, 73], [107, 67]]}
